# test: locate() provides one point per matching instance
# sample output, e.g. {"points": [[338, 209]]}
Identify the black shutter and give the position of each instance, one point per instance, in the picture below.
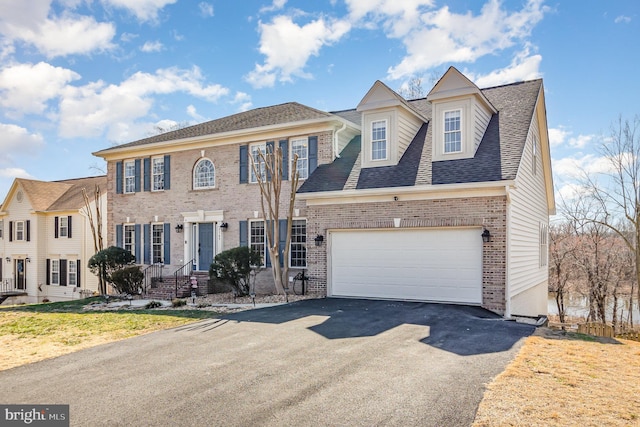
{"points": [[28, 226], [138, 233], [137, 177], [244, 164], [147, 174], [55, 225], [270, 149], [167, 172], [48, 271], [69, 226], [146, 230], [284, 148], [78, 273], [10, 231], [282, 239], [118, 177], [244, 233], [313, 154], [119, 237], [167, 243], [63, 272]]}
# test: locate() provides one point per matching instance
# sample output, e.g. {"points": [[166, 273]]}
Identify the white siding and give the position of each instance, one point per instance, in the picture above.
{"points": [[482, 118], [527, 209], [408, 126]]}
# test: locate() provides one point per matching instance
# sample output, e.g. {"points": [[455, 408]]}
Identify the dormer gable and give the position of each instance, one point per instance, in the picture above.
{"points": [[460, 115], [389, 124]]}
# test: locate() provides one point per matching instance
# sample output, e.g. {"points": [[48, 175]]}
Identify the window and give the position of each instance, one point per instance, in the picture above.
{"points": [[534, 154], [19, 230], [130, 238], [452, 132], [257, 238], [130, 176], [204, 175], [300, 146], [260, 166], [298, 250], [1, 232], [63, 226], [157, 242], [55, 271], [72, 273], [544, 236], [157, 168], [379, 140]]}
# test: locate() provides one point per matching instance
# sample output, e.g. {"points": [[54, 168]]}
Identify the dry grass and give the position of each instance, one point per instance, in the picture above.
{"points": [[566, 380]]}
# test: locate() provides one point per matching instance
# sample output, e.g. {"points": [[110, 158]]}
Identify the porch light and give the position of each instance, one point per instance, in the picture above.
{"points": [[27, 259], [179, 228], [224, 226], [8, 259], [319, 239], [486, 236]]}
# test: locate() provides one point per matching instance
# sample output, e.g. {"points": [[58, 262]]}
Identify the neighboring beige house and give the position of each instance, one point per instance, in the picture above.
{"points": [[396, 196], [46, 241], [404, 211]]}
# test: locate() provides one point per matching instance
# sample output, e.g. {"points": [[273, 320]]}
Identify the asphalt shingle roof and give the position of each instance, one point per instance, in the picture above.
{"points": [[60, 195], [497, 158]]}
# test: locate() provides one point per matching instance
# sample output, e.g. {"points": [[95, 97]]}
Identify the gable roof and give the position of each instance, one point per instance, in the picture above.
{"points": [[497, 158], [256, 118], [56, 195]]}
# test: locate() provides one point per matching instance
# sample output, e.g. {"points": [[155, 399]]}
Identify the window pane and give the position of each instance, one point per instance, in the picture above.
{"points": [[72, 267], [63, 226], [157, 242], [204, 175], [257, 238], [255, 154], [55, 272], [129, 177], [301, 148], [452, 132], [379, 140], [158, 173], [298, 251], [129, 239]]}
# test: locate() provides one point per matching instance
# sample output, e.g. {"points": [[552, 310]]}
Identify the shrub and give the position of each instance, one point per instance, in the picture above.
{"points": [[128, 280], [233, 267], [178, 302], [107, 261], [153, 304]]}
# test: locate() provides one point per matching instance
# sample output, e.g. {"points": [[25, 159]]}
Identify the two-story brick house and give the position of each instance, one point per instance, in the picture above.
{"points": [[182, 197], [46, 240], [444, 199]]}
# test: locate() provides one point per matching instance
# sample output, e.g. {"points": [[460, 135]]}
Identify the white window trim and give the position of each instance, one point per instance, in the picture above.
{"points": [[195, 168], [250, 242], [161, 244], [133, 238], [65, 228], [534, 155], [291, 244], [253, 178], [386, 140], [125, 176], [54, 262], [153, 174], [72, 265], [15, 237], [292, 141], [544, 245], [460, 130]]}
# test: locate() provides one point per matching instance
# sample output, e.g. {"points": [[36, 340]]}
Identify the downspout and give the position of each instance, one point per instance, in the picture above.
{"points": [[336, 154], [507, 283]]}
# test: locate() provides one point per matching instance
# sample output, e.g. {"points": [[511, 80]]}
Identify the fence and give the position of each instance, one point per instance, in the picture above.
{"points": [[597, 329]]}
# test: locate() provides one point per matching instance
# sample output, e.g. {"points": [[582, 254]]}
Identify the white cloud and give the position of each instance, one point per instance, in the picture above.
{"points": [[127, 37], [152, 46], [557, 136], [193, 113], [244, 100], [144, 10], [206, 9], [88, 111], [396, 17], [16, 139], [14, 173], [288, 46], [494, 29], [29, 22], [561, 136], [276, 5], [622, 19], [573, 168], [26, 88], [523, 67]]}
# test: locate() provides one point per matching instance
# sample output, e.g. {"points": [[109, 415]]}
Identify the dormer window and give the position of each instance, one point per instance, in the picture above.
{"points": [[379, 140], [452, 131]]}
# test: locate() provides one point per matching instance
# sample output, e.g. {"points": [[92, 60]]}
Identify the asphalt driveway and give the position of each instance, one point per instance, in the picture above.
{"points": [[333, 362]]}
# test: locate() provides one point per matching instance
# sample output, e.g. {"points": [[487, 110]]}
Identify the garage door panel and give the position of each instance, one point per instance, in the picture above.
{"points": [[437, 265]]}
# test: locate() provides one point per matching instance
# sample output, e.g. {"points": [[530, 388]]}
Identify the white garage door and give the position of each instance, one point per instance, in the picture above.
{"points": [[431, 265]]}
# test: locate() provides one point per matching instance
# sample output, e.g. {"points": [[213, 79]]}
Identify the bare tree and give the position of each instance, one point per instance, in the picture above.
{"points": [[268, 169], [562, 246], [95, 222]]}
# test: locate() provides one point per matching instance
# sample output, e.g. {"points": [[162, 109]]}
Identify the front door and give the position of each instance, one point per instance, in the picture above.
{"points": [[20, 274], [205, 245]]}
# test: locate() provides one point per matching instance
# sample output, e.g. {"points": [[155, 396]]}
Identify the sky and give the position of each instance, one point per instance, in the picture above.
{"points": [[78, 76]]}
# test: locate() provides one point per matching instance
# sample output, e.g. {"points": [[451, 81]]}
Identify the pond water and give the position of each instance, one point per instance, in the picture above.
{"points": [[576, 305]]}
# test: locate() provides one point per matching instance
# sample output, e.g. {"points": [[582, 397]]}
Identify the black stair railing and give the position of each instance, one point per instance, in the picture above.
{"points": [[152, 274], [183, 274]]}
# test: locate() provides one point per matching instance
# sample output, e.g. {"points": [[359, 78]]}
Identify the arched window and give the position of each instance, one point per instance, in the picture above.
{"points": [[204, 175]]}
